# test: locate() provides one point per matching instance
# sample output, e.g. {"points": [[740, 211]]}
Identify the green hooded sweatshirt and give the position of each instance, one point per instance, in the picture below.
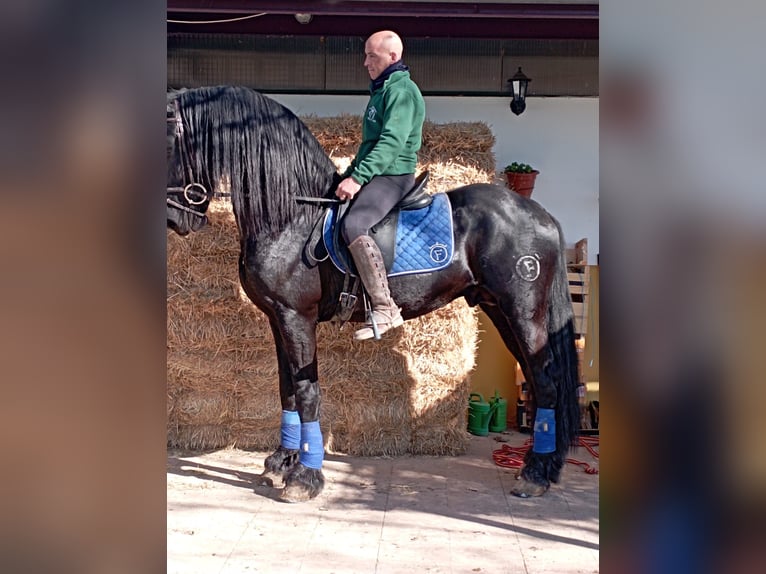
{"points": [[392, 130]]}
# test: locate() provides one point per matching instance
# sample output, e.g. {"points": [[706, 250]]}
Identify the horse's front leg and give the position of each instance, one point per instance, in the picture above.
{"points": [[300, 427], [305, 480], [279, 463]]}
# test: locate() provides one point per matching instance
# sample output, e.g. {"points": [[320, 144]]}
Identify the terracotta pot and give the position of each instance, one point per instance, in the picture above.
{"points": [[522, 183]]}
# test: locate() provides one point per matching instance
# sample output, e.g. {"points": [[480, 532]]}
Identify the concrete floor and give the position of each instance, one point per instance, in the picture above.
{"points": [[380, 515]]}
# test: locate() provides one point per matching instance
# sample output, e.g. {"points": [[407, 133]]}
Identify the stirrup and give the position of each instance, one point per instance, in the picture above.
{"points": [[374, 331], [371, 330], [370, 322], [370, 316]]}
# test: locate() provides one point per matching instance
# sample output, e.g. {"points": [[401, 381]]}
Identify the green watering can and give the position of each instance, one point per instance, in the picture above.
{"points": [[479, 414], [499, 413]]}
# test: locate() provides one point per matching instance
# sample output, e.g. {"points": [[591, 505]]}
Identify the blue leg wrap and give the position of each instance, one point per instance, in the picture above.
{"points": [[544, 431], [291, 430], [312, 448]]}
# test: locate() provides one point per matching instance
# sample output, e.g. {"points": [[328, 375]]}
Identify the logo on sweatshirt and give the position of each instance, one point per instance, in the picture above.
{"points": [[371, 113]]}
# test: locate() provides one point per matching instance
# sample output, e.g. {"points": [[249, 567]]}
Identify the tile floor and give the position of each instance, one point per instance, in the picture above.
{"points": [[414, 514]]}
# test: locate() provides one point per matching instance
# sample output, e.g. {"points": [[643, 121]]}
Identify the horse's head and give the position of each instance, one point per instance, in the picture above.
{"points": [[186, 208], [186, 202]]}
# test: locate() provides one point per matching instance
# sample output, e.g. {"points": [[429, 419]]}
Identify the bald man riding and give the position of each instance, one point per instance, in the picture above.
{"points": [[382, 171]]}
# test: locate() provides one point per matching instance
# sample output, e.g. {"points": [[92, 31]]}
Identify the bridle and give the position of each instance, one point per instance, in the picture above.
{"points": [[194, 193], [187, 196]]}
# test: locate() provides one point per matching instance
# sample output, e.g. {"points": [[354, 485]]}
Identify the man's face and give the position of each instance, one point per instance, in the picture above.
{"points": [[376, 58]]}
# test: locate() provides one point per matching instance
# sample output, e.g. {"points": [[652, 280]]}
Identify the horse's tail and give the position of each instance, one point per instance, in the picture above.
{"points": [[561, 339]]}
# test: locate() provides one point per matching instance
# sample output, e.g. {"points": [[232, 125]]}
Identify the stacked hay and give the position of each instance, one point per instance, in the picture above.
{"points": [[407, 393]]}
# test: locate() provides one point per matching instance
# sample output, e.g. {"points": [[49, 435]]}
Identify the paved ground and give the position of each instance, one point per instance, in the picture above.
{"points": [[380, 515]]}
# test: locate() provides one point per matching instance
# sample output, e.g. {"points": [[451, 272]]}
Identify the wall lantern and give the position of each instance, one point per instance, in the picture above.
{"points": [[519, 83]]}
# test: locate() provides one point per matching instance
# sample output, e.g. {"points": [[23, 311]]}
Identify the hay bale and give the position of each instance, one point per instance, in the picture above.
{"points": [[405, 394]]}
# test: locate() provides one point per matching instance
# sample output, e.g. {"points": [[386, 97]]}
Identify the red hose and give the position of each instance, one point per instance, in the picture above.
{"points": [[513, 456]]}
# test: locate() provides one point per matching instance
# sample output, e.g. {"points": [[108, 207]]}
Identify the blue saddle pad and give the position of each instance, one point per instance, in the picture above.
{"points": [[424, 239]]}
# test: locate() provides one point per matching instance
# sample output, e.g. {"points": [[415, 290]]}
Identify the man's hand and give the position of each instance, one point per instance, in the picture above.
{"points": [[347, 189]]}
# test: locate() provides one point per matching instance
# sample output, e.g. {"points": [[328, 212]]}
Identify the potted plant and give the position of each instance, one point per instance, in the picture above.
{"points": [[521, 178]]}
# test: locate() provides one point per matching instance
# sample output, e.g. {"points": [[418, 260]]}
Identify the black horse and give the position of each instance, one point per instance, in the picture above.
{"points": [[508, 259]]}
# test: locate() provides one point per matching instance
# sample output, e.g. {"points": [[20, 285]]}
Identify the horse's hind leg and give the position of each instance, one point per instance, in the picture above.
{"points": [[525, 334], [545, 458]]}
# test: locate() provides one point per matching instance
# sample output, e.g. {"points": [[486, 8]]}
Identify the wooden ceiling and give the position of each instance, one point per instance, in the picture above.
{"points": [[531, 20]]}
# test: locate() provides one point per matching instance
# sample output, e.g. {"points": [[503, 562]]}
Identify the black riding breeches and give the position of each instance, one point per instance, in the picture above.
{"points": [[373, 202]]}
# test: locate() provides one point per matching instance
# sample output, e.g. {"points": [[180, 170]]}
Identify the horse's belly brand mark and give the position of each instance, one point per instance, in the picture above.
{"points": [[438, 253], [528, 267]]}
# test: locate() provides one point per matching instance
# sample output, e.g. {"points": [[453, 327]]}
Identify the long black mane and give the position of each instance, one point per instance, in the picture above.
{"points": [[240, 139]]}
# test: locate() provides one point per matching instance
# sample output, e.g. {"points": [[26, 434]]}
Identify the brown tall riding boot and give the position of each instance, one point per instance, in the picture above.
{"points": [[372, 270]]}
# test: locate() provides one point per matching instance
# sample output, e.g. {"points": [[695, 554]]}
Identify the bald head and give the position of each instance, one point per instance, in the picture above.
{"points": [[387, 41], [380, 51]]}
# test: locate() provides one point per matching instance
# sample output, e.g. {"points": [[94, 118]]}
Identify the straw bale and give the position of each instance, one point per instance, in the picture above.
{"points": [[198, 437], [405, 394], [338, 135]]}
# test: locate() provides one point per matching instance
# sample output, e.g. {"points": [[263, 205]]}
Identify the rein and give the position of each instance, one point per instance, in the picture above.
{"points": [[184, 191], [322, 200], [182, 207]]}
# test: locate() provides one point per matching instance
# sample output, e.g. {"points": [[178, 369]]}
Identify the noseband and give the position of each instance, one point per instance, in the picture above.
{"points": [[188, 193]]}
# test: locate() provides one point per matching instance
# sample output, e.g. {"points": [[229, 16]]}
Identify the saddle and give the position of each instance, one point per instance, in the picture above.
{"points": [[384, 232], [414, 237]]}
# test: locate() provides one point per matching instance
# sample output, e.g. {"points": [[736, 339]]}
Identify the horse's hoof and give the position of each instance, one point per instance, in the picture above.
{"points": [[276, 466], [302, 484], [300, 492], [526, 489], [296, 493], [270, 479]]}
